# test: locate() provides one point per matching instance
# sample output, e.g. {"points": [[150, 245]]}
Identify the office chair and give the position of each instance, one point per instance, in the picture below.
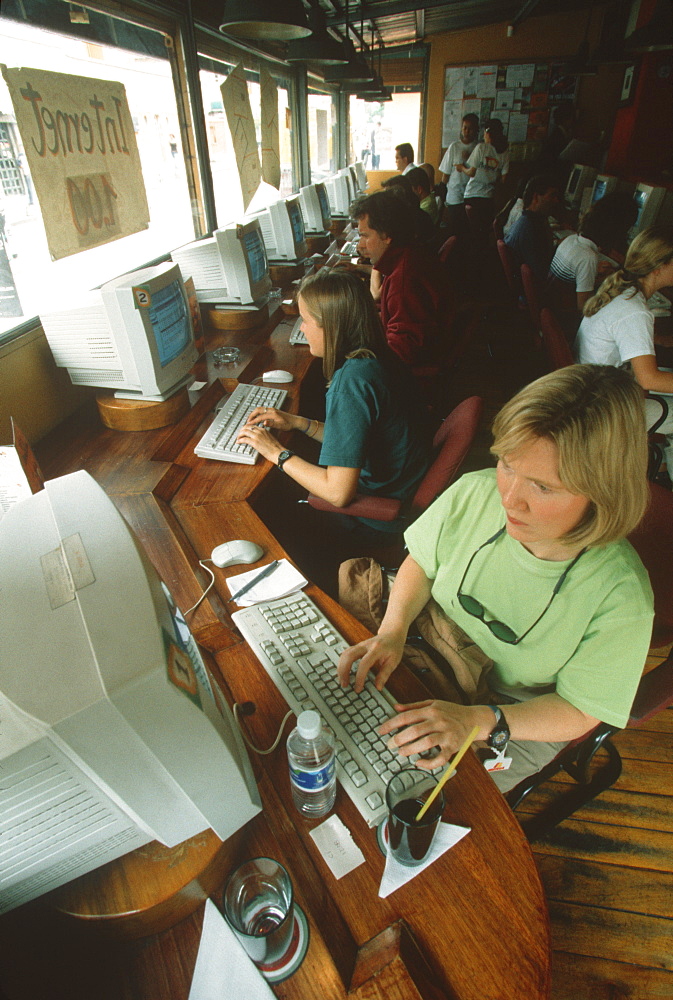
{"points": [[653, 540], [448, 249], [554, 342], [450, 446], [532, 293], [512, 276]]}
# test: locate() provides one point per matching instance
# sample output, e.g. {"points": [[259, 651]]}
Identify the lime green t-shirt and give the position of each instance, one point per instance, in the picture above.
{"points": [[591, 644]]}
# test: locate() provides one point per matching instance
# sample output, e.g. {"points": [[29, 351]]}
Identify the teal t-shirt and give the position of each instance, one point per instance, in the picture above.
{"points": [[591, 644], [372, 423]]}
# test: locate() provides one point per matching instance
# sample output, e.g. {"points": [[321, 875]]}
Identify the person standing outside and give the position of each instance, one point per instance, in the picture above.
{"points": [[456, 181]]}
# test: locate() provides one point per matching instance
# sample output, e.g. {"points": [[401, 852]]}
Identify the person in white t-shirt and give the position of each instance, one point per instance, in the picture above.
{"points": [[487, 163], [404, 157], [456, 180], [618, 328]]}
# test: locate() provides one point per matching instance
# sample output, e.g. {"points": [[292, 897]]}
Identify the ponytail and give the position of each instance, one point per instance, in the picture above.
{"points": [[650, 249], [614, 285]]}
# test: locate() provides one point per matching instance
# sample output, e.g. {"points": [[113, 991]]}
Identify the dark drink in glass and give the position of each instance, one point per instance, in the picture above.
{"points": [[410, 840]]}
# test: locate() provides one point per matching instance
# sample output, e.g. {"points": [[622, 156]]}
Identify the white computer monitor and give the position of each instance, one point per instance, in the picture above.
{"points": [[652, 203], [340, 194], [113, 733], [229, 267], [133, 334], [282, 226], [361, 172], [580, 177], [315, 208]]}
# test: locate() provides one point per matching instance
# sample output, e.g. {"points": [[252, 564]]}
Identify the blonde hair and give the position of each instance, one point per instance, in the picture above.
{"points": [[343, 307], [594, 415], [650, 249]]}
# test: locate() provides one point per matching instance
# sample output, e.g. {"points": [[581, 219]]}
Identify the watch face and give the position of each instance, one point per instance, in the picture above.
{"points": [[498, 740]]}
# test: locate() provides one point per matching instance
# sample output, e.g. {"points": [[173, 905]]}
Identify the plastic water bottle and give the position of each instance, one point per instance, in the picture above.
{"points": [[310, 754]]}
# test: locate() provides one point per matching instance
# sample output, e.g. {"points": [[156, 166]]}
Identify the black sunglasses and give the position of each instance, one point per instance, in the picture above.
{"points": [[477, 609]]}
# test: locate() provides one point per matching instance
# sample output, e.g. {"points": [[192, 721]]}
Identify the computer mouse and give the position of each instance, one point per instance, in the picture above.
{"points": [[277, 375], [236, 551]]}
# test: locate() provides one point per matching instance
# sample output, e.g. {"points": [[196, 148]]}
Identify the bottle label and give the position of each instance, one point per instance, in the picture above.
{"points": [[313, 781]]}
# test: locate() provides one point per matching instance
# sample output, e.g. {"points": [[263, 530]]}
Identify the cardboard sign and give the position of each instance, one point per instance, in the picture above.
{"points": [[236, 102], [81, 148], [270, 133]]}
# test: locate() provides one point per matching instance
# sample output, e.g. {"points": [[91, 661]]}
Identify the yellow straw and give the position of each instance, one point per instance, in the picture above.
{"points": [[447, 774]]}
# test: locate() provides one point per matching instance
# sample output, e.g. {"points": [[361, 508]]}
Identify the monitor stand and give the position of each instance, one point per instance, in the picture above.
{"points": [[150, 889], [141, 414]]}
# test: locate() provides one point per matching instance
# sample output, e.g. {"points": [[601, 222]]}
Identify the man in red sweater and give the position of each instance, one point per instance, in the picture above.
{"points": [[414, 309]]}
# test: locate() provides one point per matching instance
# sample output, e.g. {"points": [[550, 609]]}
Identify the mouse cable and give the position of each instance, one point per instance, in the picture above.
{"points": [[202, 562], [252, 746]]}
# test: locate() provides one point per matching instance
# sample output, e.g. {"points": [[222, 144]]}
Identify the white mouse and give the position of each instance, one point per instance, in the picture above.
{"points": [[277, 375], [236, 551]]}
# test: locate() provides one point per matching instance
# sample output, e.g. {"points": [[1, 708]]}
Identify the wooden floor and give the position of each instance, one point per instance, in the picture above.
{"points": [[607, 871]]}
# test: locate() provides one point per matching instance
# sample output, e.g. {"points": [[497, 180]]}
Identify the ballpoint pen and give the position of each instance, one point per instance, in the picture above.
{"points": [[260, 576]]}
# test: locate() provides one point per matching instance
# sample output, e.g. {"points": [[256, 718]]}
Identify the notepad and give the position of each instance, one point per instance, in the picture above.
{"points": [[284, 580]]}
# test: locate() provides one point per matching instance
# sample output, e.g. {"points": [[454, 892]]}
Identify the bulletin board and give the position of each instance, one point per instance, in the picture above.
{"points": [[521, 95]]}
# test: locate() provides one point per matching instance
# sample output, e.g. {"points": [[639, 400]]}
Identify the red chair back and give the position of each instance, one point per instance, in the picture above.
{"points": [[653, 541], [451, 443], [509, 267], [554, 341], [532, 294]]}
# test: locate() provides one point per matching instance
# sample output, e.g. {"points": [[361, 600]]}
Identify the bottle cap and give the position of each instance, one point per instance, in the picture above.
{"points": [[308, 724]]}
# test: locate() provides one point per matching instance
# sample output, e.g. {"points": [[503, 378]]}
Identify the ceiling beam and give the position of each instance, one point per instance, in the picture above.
{"points": [[379, 10], [524, 11]]}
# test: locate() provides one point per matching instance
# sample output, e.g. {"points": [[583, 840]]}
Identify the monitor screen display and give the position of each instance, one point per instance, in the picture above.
{"points": [[170, 321], [599, 189], [297, 222], [256, 254], [574, 180]]}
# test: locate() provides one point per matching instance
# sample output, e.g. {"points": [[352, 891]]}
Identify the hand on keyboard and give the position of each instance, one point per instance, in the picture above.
{"points": [[276, 419], [261, 440], [380, 653], [429, 724]]}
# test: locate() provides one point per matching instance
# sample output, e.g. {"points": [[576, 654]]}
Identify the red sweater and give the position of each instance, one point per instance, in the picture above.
{"points": [[414, 308]]}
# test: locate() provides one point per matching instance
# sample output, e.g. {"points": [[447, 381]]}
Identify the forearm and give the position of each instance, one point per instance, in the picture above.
{"points": [[311, 428], [548, 719], [334, 484], [409, 595]]}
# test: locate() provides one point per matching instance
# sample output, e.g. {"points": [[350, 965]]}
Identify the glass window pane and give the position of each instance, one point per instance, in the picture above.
{"points": [[322, 142], [226, 184], [376, 128], [33, 279]]}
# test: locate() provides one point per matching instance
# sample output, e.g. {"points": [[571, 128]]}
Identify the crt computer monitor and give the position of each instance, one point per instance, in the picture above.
{"points": [[229, 267], [580, 176], [113, 733], [603, 184], [282, 226], [339, 192], [133, 334], [315, 208], [651, 202], [361, 173]]}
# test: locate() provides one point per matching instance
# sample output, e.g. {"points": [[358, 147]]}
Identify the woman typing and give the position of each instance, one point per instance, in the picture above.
{"points": [[531, 561]]}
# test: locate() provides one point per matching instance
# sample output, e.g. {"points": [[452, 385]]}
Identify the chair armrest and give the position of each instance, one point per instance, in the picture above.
{"points": [[376, 508], [655, 692]]}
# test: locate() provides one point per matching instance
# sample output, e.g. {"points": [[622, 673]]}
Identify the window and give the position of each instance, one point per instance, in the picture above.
{"points": [[226, 183], [322, 138], [376, 128], [30, 280]]}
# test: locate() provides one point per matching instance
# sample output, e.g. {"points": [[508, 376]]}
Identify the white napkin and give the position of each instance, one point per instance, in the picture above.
{"points": [[284, 580], [396, 875], [223, 970]]}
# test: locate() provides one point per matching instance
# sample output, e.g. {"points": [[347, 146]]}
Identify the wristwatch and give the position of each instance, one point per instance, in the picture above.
{"points": [[499, 735], [283, 457]]}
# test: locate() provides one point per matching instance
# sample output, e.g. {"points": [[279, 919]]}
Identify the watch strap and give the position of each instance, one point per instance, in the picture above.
{"points": [[283, 457], [499, 735]]}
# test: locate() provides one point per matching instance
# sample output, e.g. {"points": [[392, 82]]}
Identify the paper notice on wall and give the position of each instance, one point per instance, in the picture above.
{"points": [[83, 157], [486, 81], [520, 76], [236, 102], [518, 127], [451, 121], [270, 133], [453, 83]]}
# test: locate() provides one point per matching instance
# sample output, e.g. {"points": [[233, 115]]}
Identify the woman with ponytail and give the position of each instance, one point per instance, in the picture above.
{"points": [[618, 328]]}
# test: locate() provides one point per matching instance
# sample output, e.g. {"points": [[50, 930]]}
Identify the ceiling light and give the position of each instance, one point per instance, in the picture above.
{"points": [[275, 20], [356, 70]]}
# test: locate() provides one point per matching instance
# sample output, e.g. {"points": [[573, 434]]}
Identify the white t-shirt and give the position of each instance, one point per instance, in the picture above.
{"points": [[514, 216], [410, 166], [490, 165], [621, 330], [576, 261], [458, 152]]}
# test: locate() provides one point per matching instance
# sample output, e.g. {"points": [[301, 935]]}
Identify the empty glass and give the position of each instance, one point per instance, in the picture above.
{"points": [[259, 906]]}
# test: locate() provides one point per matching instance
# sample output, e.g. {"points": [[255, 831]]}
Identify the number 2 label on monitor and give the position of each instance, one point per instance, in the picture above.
{"points": [[142, 297]]}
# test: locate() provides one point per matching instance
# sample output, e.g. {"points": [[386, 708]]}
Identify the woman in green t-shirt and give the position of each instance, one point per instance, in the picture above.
{"points": [[531, 561]]}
